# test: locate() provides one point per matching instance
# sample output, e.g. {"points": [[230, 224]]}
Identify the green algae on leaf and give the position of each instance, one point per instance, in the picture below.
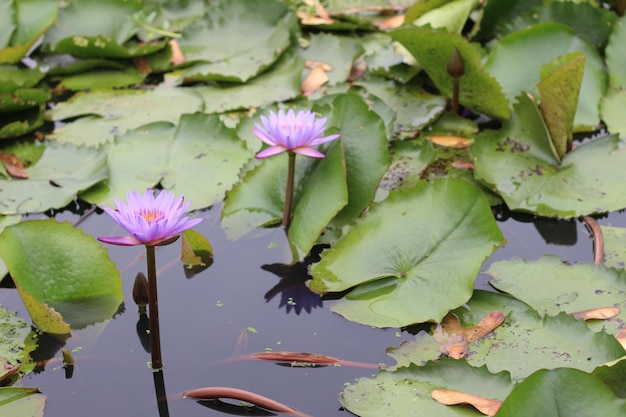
{"points": [[61, 267], [407, 391], [564, 288], [410, 237], [518, 162]]}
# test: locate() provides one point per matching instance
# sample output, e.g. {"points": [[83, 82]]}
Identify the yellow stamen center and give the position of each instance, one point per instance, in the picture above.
{"points": [[149, 215]]}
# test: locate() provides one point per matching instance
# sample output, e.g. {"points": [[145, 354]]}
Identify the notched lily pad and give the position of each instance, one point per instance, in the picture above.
{"points": [[410, 235]]}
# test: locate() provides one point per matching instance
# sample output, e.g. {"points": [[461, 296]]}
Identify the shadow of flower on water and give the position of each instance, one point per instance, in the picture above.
{"points": [[294, 293]]}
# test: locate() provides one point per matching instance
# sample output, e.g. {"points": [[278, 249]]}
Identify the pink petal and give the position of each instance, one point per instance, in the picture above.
{"points": [[120, 240], [307, 151], [271, 151]]}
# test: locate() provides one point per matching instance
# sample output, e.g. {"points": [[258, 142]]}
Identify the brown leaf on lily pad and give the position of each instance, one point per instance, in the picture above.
{"points": [[316, 78], [13, 165], [177, 54], [450, 141], [450, 335], [450, 397], [392, 22], [601, 313], [485, 326], [7, 369]]}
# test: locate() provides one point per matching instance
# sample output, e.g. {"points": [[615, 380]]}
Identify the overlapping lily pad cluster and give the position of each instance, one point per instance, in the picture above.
{"points": [[164, 93]]}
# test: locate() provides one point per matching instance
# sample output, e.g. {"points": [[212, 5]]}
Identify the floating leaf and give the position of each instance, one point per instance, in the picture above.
{"points": [[13, 334], [54, 180], [478, 89], [558, 90], [114, 112], [19, 401], [562, 392], [407, 391], [564, 288], [557, 40], [237, 39], [449, 397], [518, 163], [423, 225], [526, 342], [451, 16], [197, 253], [23, 23], [60, 266], [280, 83], [614, 246]]}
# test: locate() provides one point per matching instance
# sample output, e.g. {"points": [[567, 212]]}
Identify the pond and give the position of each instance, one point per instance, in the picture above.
{"points": [[210, 322], [397, 192]]}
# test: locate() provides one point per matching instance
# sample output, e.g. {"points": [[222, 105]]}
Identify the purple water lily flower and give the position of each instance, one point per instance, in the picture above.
{"points": [[292, 132], [150, 220]]}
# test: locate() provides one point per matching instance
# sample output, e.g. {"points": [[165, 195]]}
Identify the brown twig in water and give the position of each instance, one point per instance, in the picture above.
{"points": [[598, 240], [214, 393]]}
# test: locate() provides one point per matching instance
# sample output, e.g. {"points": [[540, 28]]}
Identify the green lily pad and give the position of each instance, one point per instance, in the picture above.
{"points": [[203, 148], [13, 78], [114, 112], [588, 21], [478, 89], [612, 374], [237, 39], [614, 246], [615, 60], [197, 253], [562, 392], [408, 160], [23, 22], [339, 52], [558, 90], [54, 180], [136, 161], [527, 342], [23, 98], [407, 391], [109, 36], [19, 401], [102, 79], [518, 163], [13, 333], [414, 107], [366, 152], [451, 16], [410, 235], [611, 108], [496, 14], [564, 288], [21, 122], [280, 83], [557, 39], [60, 266]]}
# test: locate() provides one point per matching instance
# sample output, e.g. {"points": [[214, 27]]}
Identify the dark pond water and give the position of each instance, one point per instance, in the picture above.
{"points": [[222, 313]]}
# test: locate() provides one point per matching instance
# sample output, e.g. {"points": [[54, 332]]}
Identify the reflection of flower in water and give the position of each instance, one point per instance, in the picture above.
{"points": [[294, 293]]}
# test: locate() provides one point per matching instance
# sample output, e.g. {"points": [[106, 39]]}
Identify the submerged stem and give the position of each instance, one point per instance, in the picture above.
{"points": [[289, 189], [155, 338]]}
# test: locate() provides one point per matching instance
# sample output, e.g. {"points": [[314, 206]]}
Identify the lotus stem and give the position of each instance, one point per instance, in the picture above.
{"points": [[155, 337], [289, 189], [598, 240], [455, 69]]}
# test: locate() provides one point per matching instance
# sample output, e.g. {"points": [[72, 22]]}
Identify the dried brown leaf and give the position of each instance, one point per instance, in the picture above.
{"points": [[449, 397], [451, 337], [601, 313], [316, 78], [485, 326], [449, 141], [177, 55], [13, 165]]}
